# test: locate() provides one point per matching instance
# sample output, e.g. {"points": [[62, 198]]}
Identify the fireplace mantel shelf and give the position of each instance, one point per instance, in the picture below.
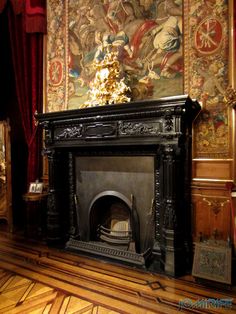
{"points": [[147, 121], [160, 128]]}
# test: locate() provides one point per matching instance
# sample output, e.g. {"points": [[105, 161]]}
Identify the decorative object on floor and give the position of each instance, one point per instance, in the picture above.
{"points": [[212, 261], [108, 86]]}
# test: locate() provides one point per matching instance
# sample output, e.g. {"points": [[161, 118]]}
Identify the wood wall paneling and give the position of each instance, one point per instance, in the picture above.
{"points": [[213, 170], [211, 214]]}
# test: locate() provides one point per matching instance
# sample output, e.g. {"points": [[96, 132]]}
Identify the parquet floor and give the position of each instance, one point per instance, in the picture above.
{"points": [[37, 279]]}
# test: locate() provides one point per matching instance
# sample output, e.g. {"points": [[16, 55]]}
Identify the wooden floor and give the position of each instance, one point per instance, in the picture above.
{"points": [[38, 279]]}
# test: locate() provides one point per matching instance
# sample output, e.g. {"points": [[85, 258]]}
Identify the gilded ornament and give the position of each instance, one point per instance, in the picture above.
{"points": [[230, 97], [108, 86]]}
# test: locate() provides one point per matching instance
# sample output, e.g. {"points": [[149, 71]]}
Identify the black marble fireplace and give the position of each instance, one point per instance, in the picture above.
{"points": [[119, 182]]}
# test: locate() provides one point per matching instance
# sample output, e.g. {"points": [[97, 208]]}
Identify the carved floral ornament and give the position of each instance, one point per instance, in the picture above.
{"points": [[215, 205]]}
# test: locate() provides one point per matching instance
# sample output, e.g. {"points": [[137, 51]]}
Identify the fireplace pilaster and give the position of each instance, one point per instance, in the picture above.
{"points": [[54, 228]]}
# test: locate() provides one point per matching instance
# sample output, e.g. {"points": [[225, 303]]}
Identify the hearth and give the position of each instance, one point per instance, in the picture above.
{"points": [[119, 182]]}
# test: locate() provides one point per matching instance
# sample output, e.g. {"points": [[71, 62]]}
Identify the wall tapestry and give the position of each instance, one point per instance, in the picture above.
{"points": [[206, 74], [146, 33]]}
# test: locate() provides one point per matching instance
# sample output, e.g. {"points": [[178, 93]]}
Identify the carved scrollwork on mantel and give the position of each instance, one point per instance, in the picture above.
{"points": [[121, 128], [139, 128], [70, 132]]}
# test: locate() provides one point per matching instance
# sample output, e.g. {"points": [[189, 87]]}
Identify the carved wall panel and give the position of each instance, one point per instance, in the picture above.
{"points": [[211, 214]]}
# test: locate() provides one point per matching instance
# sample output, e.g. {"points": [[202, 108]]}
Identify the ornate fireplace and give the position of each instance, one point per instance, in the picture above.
{"points": [[119, 182]]}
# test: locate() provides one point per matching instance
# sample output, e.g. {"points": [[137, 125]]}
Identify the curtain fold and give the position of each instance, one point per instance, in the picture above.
{"points": [[18, 6], [2, 5], [27, 58], [35, 19]]}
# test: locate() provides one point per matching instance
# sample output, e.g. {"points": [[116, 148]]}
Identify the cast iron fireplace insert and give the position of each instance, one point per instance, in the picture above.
{"points": [[119, 182]]}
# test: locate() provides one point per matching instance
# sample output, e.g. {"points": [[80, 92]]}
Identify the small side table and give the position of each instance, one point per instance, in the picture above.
{"points": [[35, 214]]}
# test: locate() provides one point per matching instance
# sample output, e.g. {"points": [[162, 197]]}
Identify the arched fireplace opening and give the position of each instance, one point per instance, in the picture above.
{"points": [[113, 222]]}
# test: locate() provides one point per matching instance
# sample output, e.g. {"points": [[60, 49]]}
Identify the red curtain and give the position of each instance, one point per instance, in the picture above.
{"points": [[2, 5], [27, 58]]}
